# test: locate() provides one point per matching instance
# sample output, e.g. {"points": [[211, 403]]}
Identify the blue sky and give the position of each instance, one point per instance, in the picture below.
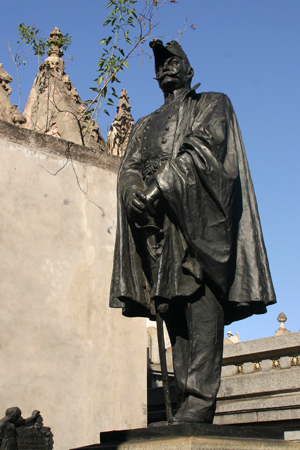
{"points": [[246, 49]]}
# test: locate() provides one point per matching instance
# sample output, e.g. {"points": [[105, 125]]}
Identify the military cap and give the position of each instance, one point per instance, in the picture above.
{"points": [[161, 52]]}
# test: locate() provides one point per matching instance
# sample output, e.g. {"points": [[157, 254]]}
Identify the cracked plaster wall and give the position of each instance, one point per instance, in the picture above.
{"points": [[62, 349]]}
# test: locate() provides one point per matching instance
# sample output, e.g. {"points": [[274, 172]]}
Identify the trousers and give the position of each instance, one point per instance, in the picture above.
{"points": [[196, 328]]}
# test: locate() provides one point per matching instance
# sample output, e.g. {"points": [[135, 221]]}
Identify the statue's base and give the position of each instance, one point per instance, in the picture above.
{"points": [[192, 436]]}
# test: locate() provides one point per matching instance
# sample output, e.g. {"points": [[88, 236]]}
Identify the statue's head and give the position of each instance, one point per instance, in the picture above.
{"points": [[172, 67], [13, 413]]}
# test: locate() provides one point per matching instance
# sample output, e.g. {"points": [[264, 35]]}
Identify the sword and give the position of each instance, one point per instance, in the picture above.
{"points": [[163, 365], [152, 231]]}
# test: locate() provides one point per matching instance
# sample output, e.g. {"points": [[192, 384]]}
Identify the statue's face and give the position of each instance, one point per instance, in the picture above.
{"points": [[172, 74]]}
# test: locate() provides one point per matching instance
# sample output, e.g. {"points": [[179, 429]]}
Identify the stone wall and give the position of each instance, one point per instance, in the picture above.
{"points": [[62, 350]]}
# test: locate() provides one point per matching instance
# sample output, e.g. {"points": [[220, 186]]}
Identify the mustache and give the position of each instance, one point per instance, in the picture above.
{"points": [[166, 74]]}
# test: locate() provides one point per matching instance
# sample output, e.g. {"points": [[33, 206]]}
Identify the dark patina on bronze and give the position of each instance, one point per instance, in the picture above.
{"points": [[189, 246]]}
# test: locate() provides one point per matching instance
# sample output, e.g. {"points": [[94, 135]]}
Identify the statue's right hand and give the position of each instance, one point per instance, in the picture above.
{"points": [[135, 202]]}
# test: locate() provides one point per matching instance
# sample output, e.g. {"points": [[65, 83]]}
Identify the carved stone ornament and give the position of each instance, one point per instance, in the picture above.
{"points": [[5, 79], [234, 339], [118, 135], [55, 39], [5, 91], [281, 330], [16, 116]]}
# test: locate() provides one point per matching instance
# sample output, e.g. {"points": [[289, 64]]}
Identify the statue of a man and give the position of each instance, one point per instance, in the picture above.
{"points": [[189, 243]]}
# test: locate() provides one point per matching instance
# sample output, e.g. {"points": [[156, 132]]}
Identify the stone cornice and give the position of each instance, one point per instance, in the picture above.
{"points": [[59, 147], [271, 347]]}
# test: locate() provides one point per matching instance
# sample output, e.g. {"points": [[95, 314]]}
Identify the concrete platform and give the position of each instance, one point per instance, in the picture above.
{"points": [[195, 437]]}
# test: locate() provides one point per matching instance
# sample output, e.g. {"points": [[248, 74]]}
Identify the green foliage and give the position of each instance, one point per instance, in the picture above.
{"points": [[63, 42], [122, 16], [30, 36], [123, 21]]}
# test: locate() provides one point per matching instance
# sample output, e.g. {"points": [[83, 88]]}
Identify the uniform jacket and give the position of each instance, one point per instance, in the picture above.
{"points": [[211, 226]]}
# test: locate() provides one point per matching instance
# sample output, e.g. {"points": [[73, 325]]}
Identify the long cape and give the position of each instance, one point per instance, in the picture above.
{"points": [[212, 231]]}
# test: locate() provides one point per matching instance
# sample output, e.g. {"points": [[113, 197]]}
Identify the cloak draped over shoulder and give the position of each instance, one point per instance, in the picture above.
{"points": [[211, 227]]}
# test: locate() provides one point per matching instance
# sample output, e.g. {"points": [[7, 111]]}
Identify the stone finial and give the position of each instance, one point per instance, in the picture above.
{"points": [[281, 318], [55, 40], [54, 62], [118, 135], [281, 330]]}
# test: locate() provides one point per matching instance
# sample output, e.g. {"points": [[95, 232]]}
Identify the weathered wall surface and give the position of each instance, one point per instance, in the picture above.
{"points": [[62, 350]]}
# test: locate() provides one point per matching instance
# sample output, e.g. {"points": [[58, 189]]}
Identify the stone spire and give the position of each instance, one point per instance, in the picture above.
{"points": [[54, 106], [118, 135], [281, 330]]}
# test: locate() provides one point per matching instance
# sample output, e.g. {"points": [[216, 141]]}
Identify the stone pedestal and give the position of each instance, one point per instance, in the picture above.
{"points": [[195, 437]]}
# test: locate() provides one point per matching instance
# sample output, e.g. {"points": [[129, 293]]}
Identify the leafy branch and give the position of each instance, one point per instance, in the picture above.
{"points": [[123, 19], [30, 35], [18, 61]]}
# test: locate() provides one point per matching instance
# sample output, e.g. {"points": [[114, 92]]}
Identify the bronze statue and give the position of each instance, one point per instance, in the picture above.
{"points": [[9, 424], [189, 243]]}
